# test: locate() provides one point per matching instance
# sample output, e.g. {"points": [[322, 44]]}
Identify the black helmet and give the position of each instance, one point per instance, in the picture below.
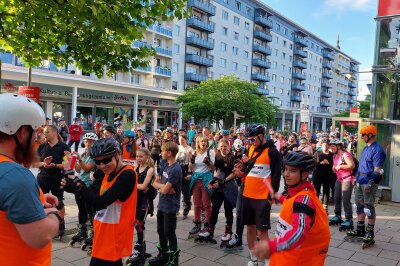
{"points": [[255, 130], [104, 147], [301, 160], [110, 129]]}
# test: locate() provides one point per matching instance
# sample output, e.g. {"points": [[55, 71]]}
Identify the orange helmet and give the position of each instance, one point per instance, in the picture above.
{"points": [[370, 129]]}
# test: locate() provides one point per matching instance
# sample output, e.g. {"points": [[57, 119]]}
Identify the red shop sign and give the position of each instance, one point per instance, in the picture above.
{"points": [[388, 8], [349, 123], [30, 92]]}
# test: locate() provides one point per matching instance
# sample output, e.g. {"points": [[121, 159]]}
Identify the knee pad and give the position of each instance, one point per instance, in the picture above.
{"points": [[360, 208], [370, 211]]}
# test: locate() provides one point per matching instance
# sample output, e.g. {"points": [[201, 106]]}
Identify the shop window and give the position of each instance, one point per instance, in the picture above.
{"points": [[86, 116], [105, 115]]}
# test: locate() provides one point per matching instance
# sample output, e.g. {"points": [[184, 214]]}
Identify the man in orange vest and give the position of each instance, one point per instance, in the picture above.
{"points": [[28, 218], [264, 163], [302, 233]]}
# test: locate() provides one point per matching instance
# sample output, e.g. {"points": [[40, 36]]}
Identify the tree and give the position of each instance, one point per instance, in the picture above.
{"points": [[216, 100], [95, 35]]}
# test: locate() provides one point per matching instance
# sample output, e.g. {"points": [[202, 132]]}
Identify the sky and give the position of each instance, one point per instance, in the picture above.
{"points": [[353, 20]]}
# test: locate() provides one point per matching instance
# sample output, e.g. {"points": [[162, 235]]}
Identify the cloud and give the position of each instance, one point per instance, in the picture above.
{"points": [[350, 5]]}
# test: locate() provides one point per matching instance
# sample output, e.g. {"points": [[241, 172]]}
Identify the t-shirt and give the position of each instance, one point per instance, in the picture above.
{"points": [[191, 135], [170, 203], [19, 194], [183, 154], [201, 167], [342, 174], [57, 151], [85, 176], [75, 132]]}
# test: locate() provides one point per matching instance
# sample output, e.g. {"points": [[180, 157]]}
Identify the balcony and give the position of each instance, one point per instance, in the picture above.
{"points": [[298, 86], [353, 68], [326, 85], [325, 104], [329, 56], [327, 65], [352, 84], [327, 75], [295, 98], [263, 21], [326, 94], [299, 64], [205, 7], [301, 53], [198, 24], [140, 44], [162, 71], [262, 49], [260, 77], [300, 41], [143, 69], [351, 93], [262, 35], [262, 91], [195, 77], [164, 52], [199, 60], [350, 101], [207, 44], [261, 63], [298, 75], [163, 30]]}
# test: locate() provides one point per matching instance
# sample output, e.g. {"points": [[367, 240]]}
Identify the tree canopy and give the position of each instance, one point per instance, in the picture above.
{"points": [[93, 34], [216, 100]]}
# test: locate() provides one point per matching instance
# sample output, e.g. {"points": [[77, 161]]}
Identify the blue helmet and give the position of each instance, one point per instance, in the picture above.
{"points": [[130, 134], [226, 132]]}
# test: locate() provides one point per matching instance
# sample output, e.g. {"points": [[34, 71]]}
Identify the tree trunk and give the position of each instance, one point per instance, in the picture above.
{"points": [[29, 76]]}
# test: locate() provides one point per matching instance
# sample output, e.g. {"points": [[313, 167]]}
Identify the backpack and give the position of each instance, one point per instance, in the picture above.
{"points": [[356, 163]]}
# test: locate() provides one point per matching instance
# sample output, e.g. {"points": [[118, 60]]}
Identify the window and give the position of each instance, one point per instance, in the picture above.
{"points": [[226, 1], [247, 26], [236, 36], [275, 65], [276, 52], [223, 47], [273, 90], [225, 15], [175, 67], [135, 78], [236, 20], [175, 85], [291, 46], [222, 62], [273, 77], [248, 10], [224, 31], [276, 39], [282, 80], [286, 31], [176, 48], [238, 5], [290, 70], [246, 40], [278, 27], [246, 54], [235, 50], [284, 55], [280, 102], [245, 68], [284, 43], [283, 67], [290, 58], [177, 30], [234, 66]]}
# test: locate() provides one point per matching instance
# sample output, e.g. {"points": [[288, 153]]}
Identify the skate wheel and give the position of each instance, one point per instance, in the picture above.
{"points": [[89, 252], [83, 247]]}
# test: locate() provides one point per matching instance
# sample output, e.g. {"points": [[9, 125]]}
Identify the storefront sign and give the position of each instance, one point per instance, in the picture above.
{"points": [[9, 87], [349, 123], [388, 8], [123, 98], [303, 129], [55, 92], [92, 95], [168, 103], [30, 91]]}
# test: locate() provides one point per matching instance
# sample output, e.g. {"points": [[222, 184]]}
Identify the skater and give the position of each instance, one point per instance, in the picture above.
{"points": [[84, 166], [183, 158], [114, 204], [168, 184], [28, 218], [129, 148], [302, 231], [224, 192], [343, 165], [202, 165], [145, 172], [155, 147], [369, 175]]}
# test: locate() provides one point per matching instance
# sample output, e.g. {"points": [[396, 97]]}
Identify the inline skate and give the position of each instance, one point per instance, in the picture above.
{"points": [[80, 236], [346, 225], [227, 236], [88, 242], [161, 259], [335, 220], [356, 235], [368, 239], [195, 230], [138, 256], [206, 235], [234, 243]]}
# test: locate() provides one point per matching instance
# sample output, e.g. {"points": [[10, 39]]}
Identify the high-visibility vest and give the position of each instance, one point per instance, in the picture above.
{"points": [[254, 186], [126, 157], [13, 249], [315, 247], [114, 225]]}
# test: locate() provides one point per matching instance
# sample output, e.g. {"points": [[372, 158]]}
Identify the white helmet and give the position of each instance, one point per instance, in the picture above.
{"points": [[91, 136], [238, 144], [16, 111]]}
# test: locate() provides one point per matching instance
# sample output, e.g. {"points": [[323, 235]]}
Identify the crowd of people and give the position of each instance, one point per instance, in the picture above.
{"points": [[120, 173]]}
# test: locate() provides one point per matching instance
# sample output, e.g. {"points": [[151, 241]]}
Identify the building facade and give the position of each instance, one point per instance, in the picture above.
{"points": [[245, 38]]}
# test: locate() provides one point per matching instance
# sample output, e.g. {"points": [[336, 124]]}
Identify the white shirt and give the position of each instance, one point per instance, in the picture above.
{"points": [[201, 167]]}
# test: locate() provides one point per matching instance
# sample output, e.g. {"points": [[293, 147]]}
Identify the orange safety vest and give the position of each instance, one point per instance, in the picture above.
{"points": [[126, 157], [13, 249], [315, 247], [113, 226], [254, 186]]}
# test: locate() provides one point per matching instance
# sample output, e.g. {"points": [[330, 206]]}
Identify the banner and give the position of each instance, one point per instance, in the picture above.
{"points": [[388, 8], [30, 92], [349, 123]]}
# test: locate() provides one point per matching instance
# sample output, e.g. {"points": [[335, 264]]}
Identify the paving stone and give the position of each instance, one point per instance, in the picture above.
{"points": [[388, 246], [69, 254], [335, 242], [355, 246], [372, 260], [206, 252], [82, 262], [333, 261], [233, 260], [197, 261], [393, 255], [340, 253], [58, 262]]}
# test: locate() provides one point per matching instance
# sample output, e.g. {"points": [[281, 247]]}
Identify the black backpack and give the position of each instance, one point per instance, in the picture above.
{"points": [[356, 163]]}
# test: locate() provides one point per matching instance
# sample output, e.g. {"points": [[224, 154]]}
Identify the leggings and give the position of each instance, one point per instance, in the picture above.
{"points": [[324, 181], [343, 193], [217, 199], [239, 204], [85, 211]]}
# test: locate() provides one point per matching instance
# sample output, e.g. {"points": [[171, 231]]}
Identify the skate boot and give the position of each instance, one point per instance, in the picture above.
{"points": [[173, 258], [80, 236], [326, 209], [137, 257], [186, 209], [227, 236], [206, 235], [195, 230], [161, 259], [88, 242], [356, 234], [335, 220], [234, 243], [368, 239], [346, 225], [253, 262]]}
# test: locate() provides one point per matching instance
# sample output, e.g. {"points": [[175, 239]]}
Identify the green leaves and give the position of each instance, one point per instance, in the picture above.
{"points": [[93, 34], [215, 100]]}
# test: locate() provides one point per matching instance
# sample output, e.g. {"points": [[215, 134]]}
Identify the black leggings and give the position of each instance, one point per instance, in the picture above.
{"points": [[325, 182], [85, 211], [217, 199], [76, 144], [99, 262], [166, 226]]}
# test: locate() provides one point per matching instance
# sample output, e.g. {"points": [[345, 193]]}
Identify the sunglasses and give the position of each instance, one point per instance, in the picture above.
{"points": [[251, 140], [104, 161], [363, 135]]}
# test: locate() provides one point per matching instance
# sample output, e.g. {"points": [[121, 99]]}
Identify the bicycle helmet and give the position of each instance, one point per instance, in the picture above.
{"points": [[110, 129], [255, 130], [129, 134], [370, 129], [104, 147], [91, 136], [158, 130], [239, 131], [294, 134], [237, 144], [17, 111], [98, 124], [301, 160], [225, 132], [336, 142], [324, 140]]}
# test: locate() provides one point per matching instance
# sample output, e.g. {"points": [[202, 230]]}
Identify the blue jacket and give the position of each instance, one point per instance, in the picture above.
{"points": [[372, 156]]}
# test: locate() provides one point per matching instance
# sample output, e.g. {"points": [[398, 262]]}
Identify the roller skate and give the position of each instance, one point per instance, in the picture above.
{"points": [[173, 258], [356, 235], [138, 256], [80, 236], [368, 239], [234, 243], [227, 236], [206, 235], [335, 220], [346, 225], [195, 230], [161, 259], [88, 243], [253, 262]]}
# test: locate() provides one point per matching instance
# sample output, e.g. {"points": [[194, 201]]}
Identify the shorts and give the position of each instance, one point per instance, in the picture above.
{"points": [[256, 212], [365, 198], [52, 184]]}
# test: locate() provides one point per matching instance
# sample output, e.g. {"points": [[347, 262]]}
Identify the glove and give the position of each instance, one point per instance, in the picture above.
{"points": [[221, 182], [192, 160], [75, 186], [376, 177], [206, 160]]}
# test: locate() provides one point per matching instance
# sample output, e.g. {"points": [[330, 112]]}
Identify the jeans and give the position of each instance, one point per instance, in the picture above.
{"points": [[239, 204], [217, 199], [343, 193], [166, 226], [76, 144], [201, 196]]}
